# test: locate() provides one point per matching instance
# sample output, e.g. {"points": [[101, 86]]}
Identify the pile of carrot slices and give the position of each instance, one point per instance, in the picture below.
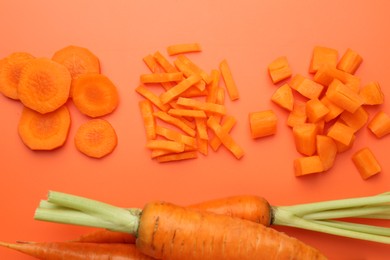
{"points": [[44, 86], [182, 105], [326, 110]]}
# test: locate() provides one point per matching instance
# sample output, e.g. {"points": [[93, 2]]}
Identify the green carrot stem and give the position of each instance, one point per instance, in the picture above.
{"points": [[383, 231], [348, 212]]}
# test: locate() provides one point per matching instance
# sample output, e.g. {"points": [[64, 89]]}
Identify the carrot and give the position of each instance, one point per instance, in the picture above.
{"points": [[366, 163], [326, 150], [95, 94], [343, 96], [355, 120], [380, 124], [227, 125], [151, 63], [263, 123], [44, 131], [334, 110], [350, 61], [78, 251], [372, 94], [175, 122], [10, 69], [207, 107], [183, 48], [149, 120], [230, 83], [306, 87], [161, 77], [178, 89], [315, 110], [322, 56], [167, 145], [279, 69], [342, 133], [213, 86], [283, 97], [298, 114], [44, 85], [187, 112], [308, 165], [152, 97], [177, 156], [305, 138], [326, 74], [96, 138]]}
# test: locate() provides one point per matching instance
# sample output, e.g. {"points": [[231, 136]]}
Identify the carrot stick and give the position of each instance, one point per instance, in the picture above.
{"points": [[305, 138], [161, 77], [168, 145], [193, 68], [201, 128], [308, 165], [152, 97], [177, 156], [175, 121], [187, 112], [151, 63], [199, 105], [262, 123], [380, 124], [343, 96], [10, 70], [227, 125], [213, 86], [175, 136], [149, 120], [279, 69], [350, 61], [366, 163], [230, 83], [164, 63], [183, 48], [323, 56], [178, 89], [44, 131], [342, 133], [334, 110], [283, 97], [96, 138], [372, 94]]}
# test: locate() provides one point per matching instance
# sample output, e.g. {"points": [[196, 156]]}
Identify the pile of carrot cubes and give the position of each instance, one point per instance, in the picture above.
{"points": [[326, 110], [44, 86], [183, 105]]}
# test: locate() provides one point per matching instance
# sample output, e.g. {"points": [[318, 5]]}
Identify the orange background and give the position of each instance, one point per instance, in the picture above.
{"points": [[249, 34]]}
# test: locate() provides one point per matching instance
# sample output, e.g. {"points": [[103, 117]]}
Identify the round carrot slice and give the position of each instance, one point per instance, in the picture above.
{"points": [[10, 69], [44, 131], [96, 138], [94, 94], [44, 85]]}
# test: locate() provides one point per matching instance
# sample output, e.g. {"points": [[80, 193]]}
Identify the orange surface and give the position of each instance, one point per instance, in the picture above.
{"points": [[248, 34]]}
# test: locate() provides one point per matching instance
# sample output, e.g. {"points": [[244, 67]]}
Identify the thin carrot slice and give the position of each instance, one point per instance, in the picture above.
{"points": [[308, 165], [96, 138], [372, 94], [152, 97], [342, 133], [263, 123], [227, 125], [315, 110], [366, 163], [178, 89], [344, 97], [350, 61], [175, 121], [177, 157], [283, 97], [298, 114], [149, 120], [168, 145], [334, 110], [175, 136], [355, 120], [323, 56], [95, 94], [183, 48], [326, 150], [306, 87], [44, 131], [187, 112], [230, 83], [279, 69], [380, 124], [10, 70], [161, 77], [205, 106], [305, 138], [44, 85]]}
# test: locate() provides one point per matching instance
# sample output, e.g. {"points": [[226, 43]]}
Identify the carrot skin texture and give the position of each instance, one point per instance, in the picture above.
{"points": [[167, 231]]}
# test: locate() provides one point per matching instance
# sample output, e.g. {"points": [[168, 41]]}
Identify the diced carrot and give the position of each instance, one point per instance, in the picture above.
{"points": [[380, 124], [187, 112], [262, 123], [326, 74], [322, 56], [306, 87], [342, 133], [283, 97], [355, 120], [227, 125], [168, 145], [279, 69], [230, 84], [350, 61], [178, 89], [161, 77], [308, 165], [149, 120], [334, 110], [188, 71], [183, 48], [200, 105], [315, 110], [149, 95], [175, 121], [342, 147], [326, 150], [177, 156], [366, 163], [175, 136], [298, 114], [372, 94], [155, 153], [305, 138], [320, 126], [344, 97]]}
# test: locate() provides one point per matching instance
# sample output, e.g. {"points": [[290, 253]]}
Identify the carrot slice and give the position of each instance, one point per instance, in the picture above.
{"points": [[262, 123], [306, 87], [44, 85], [96, 138], [343, 96], [10, 70], [161, 77], [193, 68], [151, 63], [95, 94], [366, 163], [308, 165], [355, 120], [167, 145], [342, 133], [279, 69], [187, 112], [283, 97], [183, 48], [326, 74], [149, 120], [178, 89], [230, 84], [322, 56], [44, 131], [316, 110], [177, 156], [372, 94], [305, 138], [380, 124], [213, 87], [350, 61], [201, 128], [298, 114], [326, 150]]}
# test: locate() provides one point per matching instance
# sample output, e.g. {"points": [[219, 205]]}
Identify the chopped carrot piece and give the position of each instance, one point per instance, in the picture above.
{"points": [[326, 74], [227, 125], [315, 110], [298, 114], [205, 106], [334, 110], [350, 61], [149, 120], [372, 94], [366, 163], [344, 97], [195, 69], [178, 89], [279, 69], [342, 133], [306, 87], [326, 150], [213, 86], [201, 127], [175, 136], [203, 145], [355, 120], [187, 112], [308, 165], [183, 48], [11, 68], [161, 77], [262, 123], [230, 84], [149, 95], [305, 138], [283, 97], [177, 156], [151, 63], [323, 56], [96, 138], [175, 121], [168, 145], [44, 131], [164, 63], [380, 124]]}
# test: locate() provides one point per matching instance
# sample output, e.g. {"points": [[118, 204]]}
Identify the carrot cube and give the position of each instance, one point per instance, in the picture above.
{"points": [[366, 163], [283, 97], [262, 123], [315, 110], [355, 120], [305, 138], [326, 150], [323, 56], [298, 114], [308, 165], [343, 96], [372, 94], [334, 111], [341, 133], [326, 74], [350, 61], [306, 87], [279, 69], [380, 124]]}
